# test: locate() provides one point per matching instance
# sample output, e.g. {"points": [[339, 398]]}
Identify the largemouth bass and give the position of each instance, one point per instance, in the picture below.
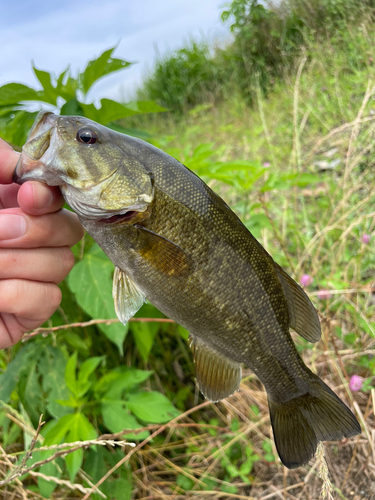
{"points": [[175, 242]]}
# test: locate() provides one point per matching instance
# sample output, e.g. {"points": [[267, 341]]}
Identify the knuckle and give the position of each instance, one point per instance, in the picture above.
{"points": [[54, 296], [67, 259]]}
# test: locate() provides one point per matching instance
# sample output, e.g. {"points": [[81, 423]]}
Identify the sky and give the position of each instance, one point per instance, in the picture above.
{"points": [[57, 34]]}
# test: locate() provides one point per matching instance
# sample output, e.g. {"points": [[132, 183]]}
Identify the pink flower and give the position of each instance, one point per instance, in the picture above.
{"points": [[324, 294], [306, 280], [365, 238], [266, 164], [355, 383]]}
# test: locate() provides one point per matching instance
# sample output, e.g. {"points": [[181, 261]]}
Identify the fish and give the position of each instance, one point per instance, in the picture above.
{"points": [[176, 243]]}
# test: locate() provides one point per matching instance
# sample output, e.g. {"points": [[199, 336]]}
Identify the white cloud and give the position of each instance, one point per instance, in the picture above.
{"points": [[78, 31]]}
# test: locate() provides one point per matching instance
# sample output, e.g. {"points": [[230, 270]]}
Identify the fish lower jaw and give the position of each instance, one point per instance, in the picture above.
{"points": [[120, 218]]}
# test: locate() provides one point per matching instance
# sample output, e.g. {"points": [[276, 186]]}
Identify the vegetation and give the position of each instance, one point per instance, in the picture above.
{"points": [[297, 167]]}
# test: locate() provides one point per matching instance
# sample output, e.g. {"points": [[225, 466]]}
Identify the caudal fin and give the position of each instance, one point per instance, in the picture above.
{"points": [[299, 424]]}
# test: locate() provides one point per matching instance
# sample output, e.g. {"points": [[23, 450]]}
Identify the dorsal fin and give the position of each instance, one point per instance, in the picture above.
{"points": [[217, 376], [127, 297], [303, 316]]}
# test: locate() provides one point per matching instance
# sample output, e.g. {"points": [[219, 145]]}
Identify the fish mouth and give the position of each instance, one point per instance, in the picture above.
{"points": [[42, 143], [117, 219]]}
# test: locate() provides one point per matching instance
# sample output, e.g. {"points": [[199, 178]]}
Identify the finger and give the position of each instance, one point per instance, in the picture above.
{"points": [[29, 299], [20, 230], [38, 264], [36, 198], [8, 196], [8, 162], [32, 303]]}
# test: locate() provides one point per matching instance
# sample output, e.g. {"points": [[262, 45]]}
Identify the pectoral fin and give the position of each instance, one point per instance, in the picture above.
{"points": [[217, 376], [127, 296], [162, 253], [303, 316]]}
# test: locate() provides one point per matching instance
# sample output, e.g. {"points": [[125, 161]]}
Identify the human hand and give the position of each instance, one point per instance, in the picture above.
{"points": [[35, 236]]}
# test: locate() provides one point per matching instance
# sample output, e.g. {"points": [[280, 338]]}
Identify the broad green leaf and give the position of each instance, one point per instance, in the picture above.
{"points": [[47, 487], [74, 460], [119, 489], [52, 366], [109, 111], [30, 392], [88, 367], [91, 282], [126, 381], [86, 429], [144, 335], [72, 108], [70, 375], [50, 94], [16, 129], [116, 417], [56, 434], [151, 407], [19, 365], [66, 86], [102, 66], [12, 93]]}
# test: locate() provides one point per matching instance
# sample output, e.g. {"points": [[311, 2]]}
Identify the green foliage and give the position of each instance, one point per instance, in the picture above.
{"points": [[66, 95], [268, 41]]}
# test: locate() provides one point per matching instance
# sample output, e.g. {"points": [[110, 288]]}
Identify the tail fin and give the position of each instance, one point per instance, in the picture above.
{"points": [[299, 424]]}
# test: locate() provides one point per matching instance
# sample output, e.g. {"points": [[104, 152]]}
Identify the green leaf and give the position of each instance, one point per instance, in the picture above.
{"points": [[152, 407], [88, 367], [49, 95], [70, 375], [74, 460], [30, 392], [72, 108], [86, 429], [184, 482], [116, 417], [114, 383], [102, 66], [91, 282], [57, 433], [52, 366], [12, 93], [47, 487], [144, 335], [119, 489], [109, 111], [19, 365]]}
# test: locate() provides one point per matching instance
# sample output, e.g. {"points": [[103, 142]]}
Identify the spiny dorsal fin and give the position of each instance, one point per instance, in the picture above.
{"points": [[218, 377], [162, 253], [303, 316], [127, 296]]}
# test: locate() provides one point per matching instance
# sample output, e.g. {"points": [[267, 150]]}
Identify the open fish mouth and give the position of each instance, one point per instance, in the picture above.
{"points": [[116, 219]]}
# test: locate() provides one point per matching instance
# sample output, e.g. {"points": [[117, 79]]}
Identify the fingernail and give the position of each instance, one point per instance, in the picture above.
{"points": [[12, 226]]}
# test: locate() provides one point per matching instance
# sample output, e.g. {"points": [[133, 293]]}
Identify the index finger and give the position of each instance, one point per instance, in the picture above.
{"points": [[8, 162]]}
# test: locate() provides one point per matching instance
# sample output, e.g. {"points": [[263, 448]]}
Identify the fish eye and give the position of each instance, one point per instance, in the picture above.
{"points": [[87, 136]]}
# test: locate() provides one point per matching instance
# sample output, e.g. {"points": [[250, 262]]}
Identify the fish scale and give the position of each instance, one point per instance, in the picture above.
{"points": [[176, 243]]}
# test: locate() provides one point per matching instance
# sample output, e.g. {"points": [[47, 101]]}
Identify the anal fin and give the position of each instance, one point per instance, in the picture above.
{"points": [[303, 316], [128, 298], [217, 376]]}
